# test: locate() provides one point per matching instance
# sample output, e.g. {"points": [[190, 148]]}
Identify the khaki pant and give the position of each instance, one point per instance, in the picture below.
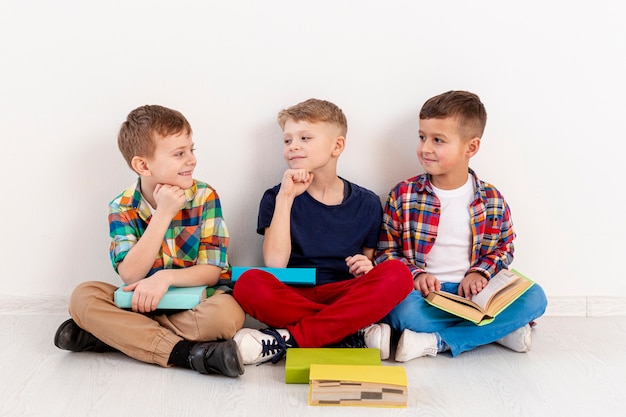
{"points": [[151, 338]]}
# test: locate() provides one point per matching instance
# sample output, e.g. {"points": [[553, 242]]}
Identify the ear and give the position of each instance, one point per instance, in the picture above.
{"points": [[140, 165], [340, 145], [473, 146]]}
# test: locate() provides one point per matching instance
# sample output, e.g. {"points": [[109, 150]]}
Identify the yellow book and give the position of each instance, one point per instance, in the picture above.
{"points": [[358, 385], [503, 288]]}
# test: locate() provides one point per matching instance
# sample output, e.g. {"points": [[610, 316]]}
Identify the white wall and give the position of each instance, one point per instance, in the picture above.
{"points": [[551, 74]]}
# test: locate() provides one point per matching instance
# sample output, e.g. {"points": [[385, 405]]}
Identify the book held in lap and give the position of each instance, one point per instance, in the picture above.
{"points": [[291, 276], [502, 290], [176, 298]]}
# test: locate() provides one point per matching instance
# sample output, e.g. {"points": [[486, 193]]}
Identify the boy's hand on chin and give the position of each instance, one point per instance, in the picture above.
{"points": [[295, 182], [170, 199]]}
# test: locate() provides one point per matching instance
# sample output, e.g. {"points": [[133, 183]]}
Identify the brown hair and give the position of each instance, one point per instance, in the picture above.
{"points": [[136, 136], [463, 105], [314, 110]]}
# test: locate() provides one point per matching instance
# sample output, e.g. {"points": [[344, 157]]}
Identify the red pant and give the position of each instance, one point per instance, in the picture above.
{"points": [[324, 315]]}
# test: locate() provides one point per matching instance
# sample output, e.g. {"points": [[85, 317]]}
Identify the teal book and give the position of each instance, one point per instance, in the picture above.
{"points": [[291, 276], [176, 298]]}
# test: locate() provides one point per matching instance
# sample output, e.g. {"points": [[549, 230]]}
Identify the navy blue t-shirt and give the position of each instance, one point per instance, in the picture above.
{"points": [[323, 236]]}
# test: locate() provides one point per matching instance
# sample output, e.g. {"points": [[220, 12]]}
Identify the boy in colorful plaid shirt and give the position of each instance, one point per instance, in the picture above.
{"points": [[166, 230], [454, 232]]}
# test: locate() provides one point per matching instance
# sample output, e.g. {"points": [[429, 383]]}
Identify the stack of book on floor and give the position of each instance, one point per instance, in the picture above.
{"points": [[358, 385]]}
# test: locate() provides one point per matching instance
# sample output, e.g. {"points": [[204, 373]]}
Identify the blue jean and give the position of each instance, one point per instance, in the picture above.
{"points": [[461, 335]]}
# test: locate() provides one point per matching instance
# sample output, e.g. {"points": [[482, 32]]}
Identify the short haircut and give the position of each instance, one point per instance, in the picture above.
{"points": [[315, 111], [466, 107], [137, 134]]}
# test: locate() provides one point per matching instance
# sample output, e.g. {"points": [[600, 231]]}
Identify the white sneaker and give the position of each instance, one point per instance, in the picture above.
{"points": [[519, 340], [378, 336], [414, 345], [259, 346]]}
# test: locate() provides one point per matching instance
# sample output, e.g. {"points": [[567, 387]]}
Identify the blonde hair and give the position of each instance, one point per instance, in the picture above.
{"points": [[314, 110]]}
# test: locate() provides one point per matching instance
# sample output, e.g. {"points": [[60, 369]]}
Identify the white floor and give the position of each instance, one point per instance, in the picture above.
{"points": [[577, 367]]}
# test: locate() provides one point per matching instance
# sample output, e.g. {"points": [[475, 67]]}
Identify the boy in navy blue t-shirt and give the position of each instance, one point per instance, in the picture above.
{"points": [[316, 219]]}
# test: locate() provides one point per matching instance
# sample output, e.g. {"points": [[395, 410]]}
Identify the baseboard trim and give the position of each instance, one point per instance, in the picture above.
{"points": [[581, 306], [589, 306]]}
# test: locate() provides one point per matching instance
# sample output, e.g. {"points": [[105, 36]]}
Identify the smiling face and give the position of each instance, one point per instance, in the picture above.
{"points": [[313, 146], [444, 153], [172, 162]]}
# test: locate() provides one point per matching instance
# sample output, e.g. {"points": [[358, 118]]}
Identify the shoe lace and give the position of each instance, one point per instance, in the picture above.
{"points": [[275, 346], [356, 340]]}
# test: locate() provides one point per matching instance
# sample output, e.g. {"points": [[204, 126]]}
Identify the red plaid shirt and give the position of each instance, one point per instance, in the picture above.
{"points": [[411, 219]]}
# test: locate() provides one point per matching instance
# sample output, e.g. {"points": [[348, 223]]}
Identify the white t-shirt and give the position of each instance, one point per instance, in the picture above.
{"points": [[449, 258]]}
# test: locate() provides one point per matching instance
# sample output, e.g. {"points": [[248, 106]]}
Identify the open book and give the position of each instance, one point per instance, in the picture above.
{"points": [[503, 288], [364, 385]]}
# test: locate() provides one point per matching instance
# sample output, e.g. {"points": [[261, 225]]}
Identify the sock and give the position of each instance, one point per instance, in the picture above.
{"points": [[180, 354], [442, 346]]}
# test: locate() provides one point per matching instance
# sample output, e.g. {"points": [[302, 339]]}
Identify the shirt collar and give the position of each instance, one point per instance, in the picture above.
{"points": [[132, 197], [424, 184]]}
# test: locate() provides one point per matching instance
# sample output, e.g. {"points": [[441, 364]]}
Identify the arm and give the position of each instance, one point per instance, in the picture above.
{"points": [[140, 258], [390, 243], [495, 251], [149, 291], [277, 242]]}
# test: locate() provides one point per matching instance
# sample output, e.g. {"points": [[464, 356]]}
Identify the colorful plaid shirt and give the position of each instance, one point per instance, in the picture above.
{"points": [[411, 219], [197, 234]]}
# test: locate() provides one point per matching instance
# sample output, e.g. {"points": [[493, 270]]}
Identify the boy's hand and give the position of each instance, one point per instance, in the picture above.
{"points": [[472, 284], [425, 283], [170, 199], [148, 293], [295, 182], [359, 264]]}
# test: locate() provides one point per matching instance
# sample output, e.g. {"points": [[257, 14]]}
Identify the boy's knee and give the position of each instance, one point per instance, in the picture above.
{"points": [[84, 294], [226, 319], [248, 287], [538, 299], [400, 274]]}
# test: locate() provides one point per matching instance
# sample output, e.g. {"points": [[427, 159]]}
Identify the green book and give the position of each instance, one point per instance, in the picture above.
{"points": [[176, 298], [299, 360], [503, 288]]}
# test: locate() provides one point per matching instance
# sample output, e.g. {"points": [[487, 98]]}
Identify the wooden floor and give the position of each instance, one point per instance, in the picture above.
{"points": [[577, 367]]}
